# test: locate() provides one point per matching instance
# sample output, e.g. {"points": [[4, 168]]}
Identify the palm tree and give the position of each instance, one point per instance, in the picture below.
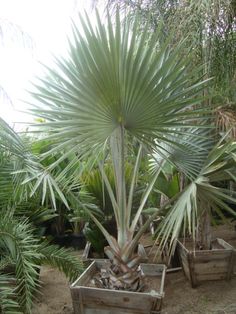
{"points": [[22, 251], [119, 86], [21, 255]]}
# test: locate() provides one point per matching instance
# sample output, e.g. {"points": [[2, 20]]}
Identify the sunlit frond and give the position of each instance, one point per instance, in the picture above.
{"points": [[116, 76]]}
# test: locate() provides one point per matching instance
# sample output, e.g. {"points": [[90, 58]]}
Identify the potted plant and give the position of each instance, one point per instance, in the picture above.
{"points": [[206, 194], [121, 93]]}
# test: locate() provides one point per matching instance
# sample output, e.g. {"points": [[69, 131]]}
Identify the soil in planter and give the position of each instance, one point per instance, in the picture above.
{"points": [[151, 283]]}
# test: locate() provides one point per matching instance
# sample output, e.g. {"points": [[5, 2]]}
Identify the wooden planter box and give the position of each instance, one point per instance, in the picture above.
{"points": [[204, 265], [90, 300]]}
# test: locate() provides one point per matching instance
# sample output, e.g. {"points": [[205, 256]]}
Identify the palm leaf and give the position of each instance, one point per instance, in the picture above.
{"points": [[17, 241], [61, 258], [202, 194], [111, 73], [8, 303]]}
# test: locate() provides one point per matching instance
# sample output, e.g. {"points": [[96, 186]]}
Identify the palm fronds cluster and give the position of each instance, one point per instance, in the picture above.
{"points": [[21, 255], [22, 251]]}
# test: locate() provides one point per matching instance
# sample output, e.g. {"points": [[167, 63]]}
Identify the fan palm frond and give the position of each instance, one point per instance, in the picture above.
{"points": [[205, 193], [112, 72], [200, 141]]}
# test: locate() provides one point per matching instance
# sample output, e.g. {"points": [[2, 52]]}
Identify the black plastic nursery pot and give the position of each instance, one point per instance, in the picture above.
{"points": [[76, 241]]}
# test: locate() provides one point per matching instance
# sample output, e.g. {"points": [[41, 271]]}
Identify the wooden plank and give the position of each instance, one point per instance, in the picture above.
{"points": [[208, 270], [193, 278], [209, 277], [92, 309], [231, 266], [162, 282], [183, 253], [224, 244], [102, 263], [186, 271], [117, 299], [86, 251], [214, 256], [212, 265], [181, 245], [153, 269], [81, 303], [85, 276], [212, 252]]}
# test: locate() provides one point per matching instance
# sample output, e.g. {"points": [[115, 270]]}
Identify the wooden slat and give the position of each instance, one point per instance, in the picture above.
{"points": [[85, 276], [153, 269], [186, 271], [231, 265], [117, 299], [162, 283], [179, 243], [183, 254], [92, 309], [214, 256], [86, 251], [192, 275], [206, 269], [211, 276], [224, 244]]}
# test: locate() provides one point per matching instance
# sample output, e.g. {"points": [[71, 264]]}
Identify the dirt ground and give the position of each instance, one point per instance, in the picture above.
{"points": [[216, 297]]}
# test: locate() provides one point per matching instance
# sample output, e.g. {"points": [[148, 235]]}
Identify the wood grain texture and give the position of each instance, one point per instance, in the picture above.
{"points": [[215, 264]]}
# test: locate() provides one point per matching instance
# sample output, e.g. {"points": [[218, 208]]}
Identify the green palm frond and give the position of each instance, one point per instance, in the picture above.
{"points": [[8, 303], [188, 161], [22, 253], [17, 241], [61, 258], [24, 172], [205, 193], [116, 76]]}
